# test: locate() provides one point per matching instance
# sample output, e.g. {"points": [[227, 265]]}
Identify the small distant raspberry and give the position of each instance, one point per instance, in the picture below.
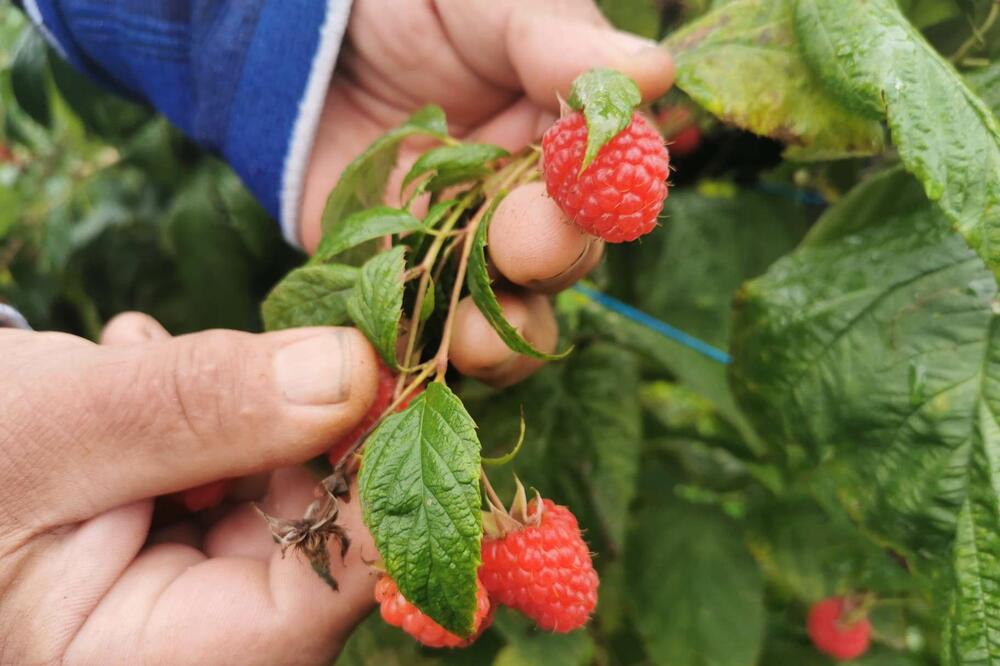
{"points": [[543, 570], [399, 612], [620, 194], [834, 633], [383, 398], [206, 496], [679, 125]]}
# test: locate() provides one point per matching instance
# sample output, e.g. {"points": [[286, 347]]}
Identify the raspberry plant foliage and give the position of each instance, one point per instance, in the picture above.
{"points": [[849, 450]]}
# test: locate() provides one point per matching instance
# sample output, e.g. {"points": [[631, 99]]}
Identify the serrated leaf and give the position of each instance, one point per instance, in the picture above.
{"points": [[363, 226], [419, 485], [697, 596], [607, 98], [479, 283], [376, 304], [29, 77], [603, 414], [310, 296], [772, 92], [879, 352], [363, 182], [874, 60], [450, 165]]}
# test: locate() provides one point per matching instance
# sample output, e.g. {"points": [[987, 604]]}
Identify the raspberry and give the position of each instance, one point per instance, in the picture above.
{"points": [[383, 399], [205, 496], [620, 194], [399, 612], [833, 632], [544, 569]]}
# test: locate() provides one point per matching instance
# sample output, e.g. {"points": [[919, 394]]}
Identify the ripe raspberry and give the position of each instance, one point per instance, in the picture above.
{"points": [[383, 398], [205, 496], [620, 194], [830, 632], [399, 612], [543, 569]]}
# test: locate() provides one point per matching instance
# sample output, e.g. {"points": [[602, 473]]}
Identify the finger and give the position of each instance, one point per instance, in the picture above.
{"points": [[478, 351], [100, 426], [131, 328], [541, 47], [533, 244], [234, 610]]}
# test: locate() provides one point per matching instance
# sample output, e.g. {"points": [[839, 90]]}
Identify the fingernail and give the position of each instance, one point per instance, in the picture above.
{"points": [[633, 45], [314, 371]]}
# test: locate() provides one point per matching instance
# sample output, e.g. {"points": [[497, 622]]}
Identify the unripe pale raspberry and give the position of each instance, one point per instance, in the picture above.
{"points": [[834, 633], [399, 612], [544, 570], [619, 196]]}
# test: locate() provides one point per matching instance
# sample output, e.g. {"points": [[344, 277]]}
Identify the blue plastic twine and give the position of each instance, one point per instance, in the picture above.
{"points": [[654, 324]]}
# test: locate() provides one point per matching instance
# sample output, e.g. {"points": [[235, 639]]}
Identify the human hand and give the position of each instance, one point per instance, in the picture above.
{"points": [[89, 433], [496, 67]]}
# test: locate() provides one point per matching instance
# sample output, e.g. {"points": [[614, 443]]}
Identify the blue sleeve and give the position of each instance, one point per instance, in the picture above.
{"points": [[244, 78]]}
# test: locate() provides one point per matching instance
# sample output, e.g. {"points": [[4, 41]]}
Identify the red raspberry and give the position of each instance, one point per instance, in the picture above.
{"points": [[831, 633], [205, 496], [543, 570], [399, 612], [383, 399], [620, 194]]}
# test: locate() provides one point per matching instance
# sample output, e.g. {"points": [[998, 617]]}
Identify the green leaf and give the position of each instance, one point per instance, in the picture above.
{"points": [[697, 594], [641, 17], [310, 296], [478, 281], [108, 115], [450, 165], [879, 352], [427, 306], [529, 647], [364, 226], [772, 92], [607, 98], [869, 55], [419, 486], [376, 305], [363, 182], [608, 426], [810, 554], [29, 77], [986, 83]]}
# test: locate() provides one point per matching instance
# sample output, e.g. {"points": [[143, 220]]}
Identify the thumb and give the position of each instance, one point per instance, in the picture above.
{"points": [[548, 51], [147, 419], [540, 47]]}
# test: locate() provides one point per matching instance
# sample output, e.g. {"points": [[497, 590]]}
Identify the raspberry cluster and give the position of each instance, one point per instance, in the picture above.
{"points": [[536, 562]]}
